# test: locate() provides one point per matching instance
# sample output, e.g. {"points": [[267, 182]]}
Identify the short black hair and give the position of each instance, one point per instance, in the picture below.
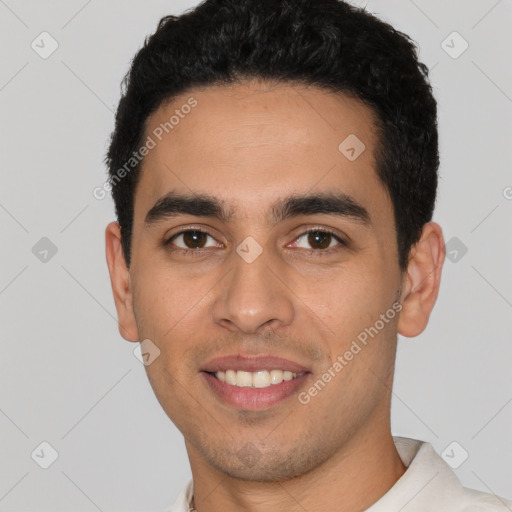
{"points": [[324, 43]]}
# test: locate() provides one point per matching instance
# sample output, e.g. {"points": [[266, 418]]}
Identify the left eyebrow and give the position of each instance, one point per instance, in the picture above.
{"points": [[331, 203], [205, 205]]}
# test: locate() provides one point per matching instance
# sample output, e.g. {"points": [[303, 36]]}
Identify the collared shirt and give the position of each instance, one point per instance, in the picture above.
{"points": [[428, 485]]}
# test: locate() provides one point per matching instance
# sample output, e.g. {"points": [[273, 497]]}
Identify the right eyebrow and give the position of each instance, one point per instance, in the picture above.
{"points": [[172, 205]]}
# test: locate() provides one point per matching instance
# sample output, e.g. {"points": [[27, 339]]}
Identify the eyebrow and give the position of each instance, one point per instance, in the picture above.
{"points": [[204, 205]]}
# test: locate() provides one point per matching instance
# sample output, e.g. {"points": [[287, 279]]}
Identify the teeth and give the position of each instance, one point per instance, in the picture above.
{"points": [[276, 377], [243, 379], [259, 379], [230, 377]]}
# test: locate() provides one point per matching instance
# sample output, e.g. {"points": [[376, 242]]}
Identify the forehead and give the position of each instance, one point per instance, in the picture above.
{"points": [[251, 143]]}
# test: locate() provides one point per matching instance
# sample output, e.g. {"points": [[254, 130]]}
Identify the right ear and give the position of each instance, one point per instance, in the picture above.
{"points": [[120, 281]]}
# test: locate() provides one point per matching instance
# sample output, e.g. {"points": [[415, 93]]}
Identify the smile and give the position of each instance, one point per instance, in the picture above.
{"points": [[253, 382], [259, 379]]}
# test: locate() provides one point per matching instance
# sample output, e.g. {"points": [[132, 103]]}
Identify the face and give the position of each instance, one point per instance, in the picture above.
{"points": [[281, 270]]}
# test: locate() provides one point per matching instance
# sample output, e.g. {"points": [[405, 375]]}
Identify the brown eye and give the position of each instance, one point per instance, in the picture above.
{"points": [[318, 239], [190, 239]]}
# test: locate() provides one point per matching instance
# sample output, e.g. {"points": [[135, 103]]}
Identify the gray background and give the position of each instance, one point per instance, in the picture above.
{"points": [[66, 375]]}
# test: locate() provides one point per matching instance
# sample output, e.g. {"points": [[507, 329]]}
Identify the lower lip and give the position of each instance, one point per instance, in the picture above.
{"points": [[254, 399]]}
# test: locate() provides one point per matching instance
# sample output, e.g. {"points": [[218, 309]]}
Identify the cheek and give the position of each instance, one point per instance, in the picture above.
{"points": [[359, 371], [161, 300], [172, 311], [170, 389], [358, 327], [345, 299]]}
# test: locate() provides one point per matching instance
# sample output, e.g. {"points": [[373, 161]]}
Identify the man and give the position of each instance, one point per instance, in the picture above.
{"points": [[274, 171]]}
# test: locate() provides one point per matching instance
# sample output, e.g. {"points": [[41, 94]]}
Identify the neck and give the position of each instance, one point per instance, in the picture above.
{"points": [[351, 480]]}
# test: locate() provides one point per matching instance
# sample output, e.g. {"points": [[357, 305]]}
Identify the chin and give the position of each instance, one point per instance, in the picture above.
{"points": [[250, 464]]}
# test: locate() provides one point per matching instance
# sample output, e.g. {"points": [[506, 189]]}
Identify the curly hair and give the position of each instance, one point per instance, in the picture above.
{"points": [[324, 43]]}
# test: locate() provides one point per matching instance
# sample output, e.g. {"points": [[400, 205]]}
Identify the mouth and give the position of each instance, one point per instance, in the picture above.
{"points": [[259, 379], [254, 383]]}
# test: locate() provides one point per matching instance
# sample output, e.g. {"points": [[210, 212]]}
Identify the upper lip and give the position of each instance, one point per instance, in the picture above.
{"points": [[252, 364]]}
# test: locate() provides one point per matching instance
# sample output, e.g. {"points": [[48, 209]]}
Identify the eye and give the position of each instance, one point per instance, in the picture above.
{"points": [[318, 239], [191, 239], [194, 240]]}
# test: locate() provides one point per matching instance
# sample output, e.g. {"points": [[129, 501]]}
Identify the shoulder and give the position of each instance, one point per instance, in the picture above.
{"points": [[476, 501], [429, 483]]}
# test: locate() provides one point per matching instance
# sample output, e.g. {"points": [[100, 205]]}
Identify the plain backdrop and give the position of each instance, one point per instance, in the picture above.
{"points": [[68, 379]]}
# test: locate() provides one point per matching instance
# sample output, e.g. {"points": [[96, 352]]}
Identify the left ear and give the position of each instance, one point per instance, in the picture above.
{"points": [[421, 280]]}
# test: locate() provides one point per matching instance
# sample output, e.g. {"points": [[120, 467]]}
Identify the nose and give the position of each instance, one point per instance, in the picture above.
{"points": [[253, 296]]}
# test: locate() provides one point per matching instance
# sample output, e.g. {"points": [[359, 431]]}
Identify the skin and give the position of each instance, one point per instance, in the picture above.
{"points": [[250, 145]]}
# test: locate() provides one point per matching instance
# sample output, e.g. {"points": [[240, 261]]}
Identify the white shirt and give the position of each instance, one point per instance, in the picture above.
{"points": [[428, 485]]}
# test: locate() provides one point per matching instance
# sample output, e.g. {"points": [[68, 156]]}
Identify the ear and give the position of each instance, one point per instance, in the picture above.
{"points": [[421, 281], [120, 281]]}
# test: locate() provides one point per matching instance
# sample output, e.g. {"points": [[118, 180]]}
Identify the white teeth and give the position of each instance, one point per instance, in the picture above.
{"points": [[231, 377], [287, 375], [259, 379], [243, 379], [276, 377]]}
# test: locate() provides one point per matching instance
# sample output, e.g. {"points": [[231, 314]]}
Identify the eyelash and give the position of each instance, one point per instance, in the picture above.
{"points": [[315, 252]]}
